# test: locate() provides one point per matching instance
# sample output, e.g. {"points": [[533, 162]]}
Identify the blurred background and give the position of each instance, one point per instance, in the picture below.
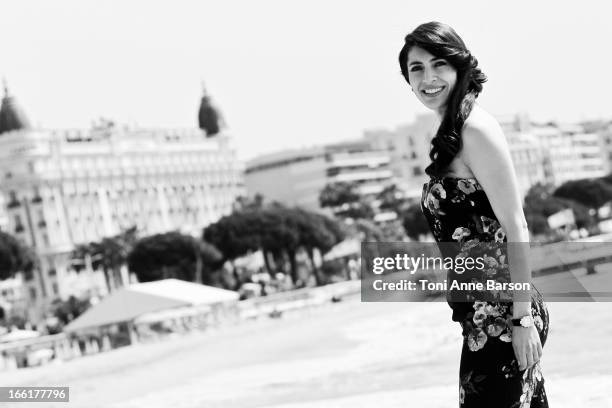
{"points": [[184, 189]]}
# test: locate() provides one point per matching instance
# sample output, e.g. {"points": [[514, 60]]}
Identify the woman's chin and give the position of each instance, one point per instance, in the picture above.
{"points": [[436, 107]]}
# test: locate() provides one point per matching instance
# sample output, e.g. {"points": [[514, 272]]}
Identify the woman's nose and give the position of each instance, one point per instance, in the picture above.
{"points": [[429, 76]]}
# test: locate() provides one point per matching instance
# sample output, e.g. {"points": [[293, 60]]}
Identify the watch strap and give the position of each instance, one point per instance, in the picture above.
{"points": [[517, 322]]}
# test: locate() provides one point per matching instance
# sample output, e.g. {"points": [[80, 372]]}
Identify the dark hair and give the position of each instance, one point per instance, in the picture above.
{"points": [[442, 41]]}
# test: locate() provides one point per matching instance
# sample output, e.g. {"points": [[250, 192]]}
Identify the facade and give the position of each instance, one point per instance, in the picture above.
{"points": [[605, 134], [297, 177], [528, 158], [540, 153], [13, 296], [570, 153], [408, 147], [292, 177], [63, 188]]}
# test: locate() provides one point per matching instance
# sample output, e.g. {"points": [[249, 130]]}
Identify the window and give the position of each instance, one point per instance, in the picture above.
{"points": [[13, 201], [18, 224], [416, 171]]}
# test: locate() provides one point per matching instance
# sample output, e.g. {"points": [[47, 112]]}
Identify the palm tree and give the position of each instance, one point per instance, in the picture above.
{"points": [[108, 254], [15, 257]]}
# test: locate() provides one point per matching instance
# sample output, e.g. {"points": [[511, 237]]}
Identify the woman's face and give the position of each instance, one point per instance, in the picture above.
{"points": [[432, 79]]}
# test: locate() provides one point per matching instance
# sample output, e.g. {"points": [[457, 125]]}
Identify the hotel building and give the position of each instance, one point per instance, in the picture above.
{"points": [[62, 188], [297, 177]]}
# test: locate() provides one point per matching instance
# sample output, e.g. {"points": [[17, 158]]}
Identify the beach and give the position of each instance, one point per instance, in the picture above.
{"points": [[347, 354]]}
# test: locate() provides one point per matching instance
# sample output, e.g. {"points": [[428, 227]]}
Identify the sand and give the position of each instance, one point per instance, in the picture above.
{"points": [[349, 354]]}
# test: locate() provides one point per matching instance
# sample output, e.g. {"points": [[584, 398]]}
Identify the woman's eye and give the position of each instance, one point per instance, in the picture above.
{"points": [[415, 69], [439, 63]]}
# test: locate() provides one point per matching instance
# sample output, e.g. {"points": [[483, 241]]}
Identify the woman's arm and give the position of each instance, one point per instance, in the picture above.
{"points": [[486, 153]]}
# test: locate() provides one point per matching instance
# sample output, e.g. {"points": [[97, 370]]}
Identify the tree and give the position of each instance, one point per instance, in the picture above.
{"points": [[108, 254], [68, 310], [15, 257], [540, 203], [538, 224], [172, 255], [208, 259], [280, 235], [316, 232], [236, 234], [414, 222], [337, 194], [392, 199], [592, 193], [276, 230], [366, 230], [243, 203], [345, 201]]}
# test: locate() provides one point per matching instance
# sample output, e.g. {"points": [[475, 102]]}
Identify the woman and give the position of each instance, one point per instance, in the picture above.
{"points": [[472, 200]]}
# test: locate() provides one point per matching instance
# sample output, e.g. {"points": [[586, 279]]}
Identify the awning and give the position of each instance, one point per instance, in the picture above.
{"points": [[135, 300]]}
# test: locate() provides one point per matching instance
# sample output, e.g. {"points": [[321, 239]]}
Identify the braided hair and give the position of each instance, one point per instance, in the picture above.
{"points": [[442, 41]]}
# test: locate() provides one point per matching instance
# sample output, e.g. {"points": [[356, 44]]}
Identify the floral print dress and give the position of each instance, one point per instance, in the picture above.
{"points": [[459, 212]]}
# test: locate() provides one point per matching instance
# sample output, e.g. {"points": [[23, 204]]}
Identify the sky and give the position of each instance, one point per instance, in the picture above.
{"points": [[291, 73]]}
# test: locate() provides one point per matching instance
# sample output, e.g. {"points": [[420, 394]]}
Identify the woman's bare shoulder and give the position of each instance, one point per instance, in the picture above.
{"points": [[481, 124]]}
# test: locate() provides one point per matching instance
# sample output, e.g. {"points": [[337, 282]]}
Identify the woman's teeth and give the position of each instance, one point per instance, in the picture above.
{"points": [[432, 91]]}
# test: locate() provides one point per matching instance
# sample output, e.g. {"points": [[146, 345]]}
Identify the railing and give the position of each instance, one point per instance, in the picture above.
{"points": [[278, 303]]}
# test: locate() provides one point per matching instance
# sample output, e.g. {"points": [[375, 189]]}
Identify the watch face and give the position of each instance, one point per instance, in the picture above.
{"points": [[527, 321]]}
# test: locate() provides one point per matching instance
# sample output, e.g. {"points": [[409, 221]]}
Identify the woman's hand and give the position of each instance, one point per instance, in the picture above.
{"points": [[527, 346]]}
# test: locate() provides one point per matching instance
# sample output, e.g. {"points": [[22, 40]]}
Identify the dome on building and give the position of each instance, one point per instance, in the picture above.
{"points": [[209, 117], [11, 115]]}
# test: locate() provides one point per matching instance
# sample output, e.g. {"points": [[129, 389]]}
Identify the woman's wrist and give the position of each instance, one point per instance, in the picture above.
{"points": [[520, 309]]}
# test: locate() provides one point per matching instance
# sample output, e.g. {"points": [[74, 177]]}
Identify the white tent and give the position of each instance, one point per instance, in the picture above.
{"points": [[135, 300], [348, 247], [16, 335]]}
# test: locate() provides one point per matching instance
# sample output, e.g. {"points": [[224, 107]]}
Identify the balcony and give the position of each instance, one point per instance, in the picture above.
{"points": [[13, 204]]}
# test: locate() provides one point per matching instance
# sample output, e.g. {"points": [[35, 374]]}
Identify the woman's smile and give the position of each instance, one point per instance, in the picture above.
{"points": [[432, 92]]}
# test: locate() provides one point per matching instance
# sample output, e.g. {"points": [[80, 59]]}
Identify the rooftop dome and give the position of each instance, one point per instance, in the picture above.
{"points": [[209, 117], [11, 115]]}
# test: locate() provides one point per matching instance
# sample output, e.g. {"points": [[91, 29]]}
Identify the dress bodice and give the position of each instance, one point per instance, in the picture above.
{"points": [[458, 210], [463, 223]]}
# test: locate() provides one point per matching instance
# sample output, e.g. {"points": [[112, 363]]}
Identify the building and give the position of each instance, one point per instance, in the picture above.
{"points": [[297, 177], [13, 296], [408, 147], [570, 153], [555, 153], [528, 158], [68, 187], [605, 133]]}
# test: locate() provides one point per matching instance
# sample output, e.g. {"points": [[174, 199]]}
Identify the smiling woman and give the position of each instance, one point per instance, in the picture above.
{"points": [[472, 200], [432, 58], [432, 78]]}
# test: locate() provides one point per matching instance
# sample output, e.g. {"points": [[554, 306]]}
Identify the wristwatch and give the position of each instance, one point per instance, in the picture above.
{"points": [[525, 321]]}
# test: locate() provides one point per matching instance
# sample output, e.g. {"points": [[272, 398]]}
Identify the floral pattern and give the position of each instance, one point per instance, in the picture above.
{"points": [[464, 224]]}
